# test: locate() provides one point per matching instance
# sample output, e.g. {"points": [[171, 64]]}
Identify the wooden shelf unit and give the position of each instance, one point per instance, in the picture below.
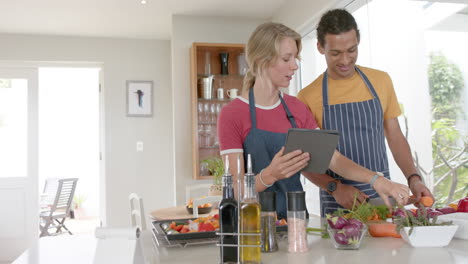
{"points": [[200, 150]]}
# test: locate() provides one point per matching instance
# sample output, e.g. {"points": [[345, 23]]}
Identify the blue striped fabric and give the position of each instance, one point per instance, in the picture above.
{"points": [[362, 138]]}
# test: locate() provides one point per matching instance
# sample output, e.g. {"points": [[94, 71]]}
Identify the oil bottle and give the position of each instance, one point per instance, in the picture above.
{"points": [[250, 239], [228, 219]]}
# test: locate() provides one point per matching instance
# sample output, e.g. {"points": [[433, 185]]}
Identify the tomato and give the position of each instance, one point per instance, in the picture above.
{"points": [[463, 205], [185, 229], [205, 227], [172, 225], [216, 216], [178, 228]]}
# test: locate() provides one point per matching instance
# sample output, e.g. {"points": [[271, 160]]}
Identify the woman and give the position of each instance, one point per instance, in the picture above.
{"points": [[257, 122]]}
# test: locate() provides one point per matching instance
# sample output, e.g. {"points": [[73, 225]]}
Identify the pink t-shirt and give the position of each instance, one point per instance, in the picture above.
{"points": [[234, 122]]}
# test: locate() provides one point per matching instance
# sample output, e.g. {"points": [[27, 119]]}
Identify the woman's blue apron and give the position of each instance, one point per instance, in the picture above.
{"points": [[263, 146], [362, 138]]}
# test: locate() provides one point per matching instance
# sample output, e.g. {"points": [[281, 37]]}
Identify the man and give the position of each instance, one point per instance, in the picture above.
{"points": [[360, 103]]}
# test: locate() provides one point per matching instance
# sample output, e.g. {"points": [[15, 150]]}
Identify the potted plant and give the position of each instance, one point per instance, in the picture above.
{"points": [[78, 209], [215, 166]]}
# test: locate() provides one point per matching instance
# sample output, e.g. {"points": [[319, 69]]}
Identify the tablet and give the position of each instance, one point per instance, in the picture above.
{"points": [[321, 145]]}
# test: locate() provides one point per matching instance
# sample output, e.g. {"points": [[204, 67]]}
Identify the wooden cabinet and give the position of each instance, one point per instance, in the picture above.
{"points": [[206, 71]]}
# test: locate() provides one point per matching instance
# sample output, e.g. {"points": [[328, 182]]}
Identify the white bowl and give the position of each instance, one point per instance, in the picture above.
{"points": [[429, 236], [460, 219]]}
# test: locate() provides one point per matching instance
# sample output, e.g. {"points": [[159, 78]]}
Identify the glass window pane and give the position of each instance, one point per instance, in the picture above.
{"points": [[13, 127], [423, 49]]}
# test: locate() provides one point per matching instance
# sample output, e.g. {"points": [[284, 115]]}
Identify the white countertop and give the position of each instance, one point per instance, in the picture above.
{"points": [[80, 249], [373, 250]]}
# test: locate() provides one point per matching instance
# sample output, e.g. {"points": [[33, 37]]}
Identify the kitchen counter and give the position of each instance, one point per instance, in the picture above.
{"points": [[81, 249], [373, 250]]}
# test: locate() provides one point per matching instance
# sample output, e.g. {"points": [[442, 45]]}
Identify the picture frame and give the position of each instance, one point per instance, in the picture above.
{"points": [[140, 98]]}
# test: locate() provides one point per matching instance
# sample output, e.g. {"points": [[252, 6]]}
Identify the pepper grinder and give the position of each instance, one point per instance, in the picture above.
{"points": [[224, 57]]}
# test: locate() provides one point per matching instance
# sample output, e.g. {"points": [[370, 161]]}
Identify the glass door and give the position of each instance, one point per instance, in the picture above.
{"points": [[18, 161]]}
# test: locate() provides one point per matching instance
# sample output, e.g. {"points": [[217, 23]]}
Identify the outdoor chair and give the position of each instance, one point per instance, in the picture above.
{"points": [[58, 211]]}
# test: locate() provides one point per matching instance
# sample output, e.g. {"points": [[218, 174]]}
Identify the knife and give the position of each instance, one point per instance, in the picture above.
{"points": [[393, 202]]}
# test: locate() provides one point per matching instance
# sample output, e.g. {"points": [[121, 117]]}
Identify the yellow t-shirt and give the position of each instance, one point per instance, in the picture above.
{"points": [[352, 90]]}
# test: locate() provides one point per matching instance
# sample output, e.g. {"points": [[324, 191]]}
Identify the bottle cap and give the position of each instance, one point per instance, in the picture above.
{"points": [[296, 201], [227, 176], [249, 163], [267, 201]]}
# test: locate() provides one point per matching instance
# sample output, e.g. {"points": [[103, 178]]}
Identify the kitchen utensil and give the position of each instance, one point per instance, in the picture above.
{"points": [[393, 202], [207, 87]]}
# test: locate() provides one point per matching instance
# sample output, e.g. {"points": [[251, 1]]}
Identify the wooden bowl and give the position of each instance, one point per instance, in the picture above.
{"points": [[201, 210]]}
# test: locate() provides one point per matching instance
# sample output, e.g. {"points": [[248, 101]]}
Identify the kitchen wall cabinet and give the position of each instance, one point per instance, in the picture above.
{"points": [[207, 103]]}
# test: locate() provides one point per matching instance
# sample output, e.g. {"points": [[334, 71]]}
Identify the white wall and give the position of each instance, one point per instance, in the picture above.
{"points": [[185, 31], [302, 15], [161, 172], [148, 173]]}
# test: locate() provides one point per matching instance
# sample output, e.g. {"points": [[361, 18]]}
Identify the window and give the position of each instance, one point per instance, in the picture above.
{"points": [[399, 36]]}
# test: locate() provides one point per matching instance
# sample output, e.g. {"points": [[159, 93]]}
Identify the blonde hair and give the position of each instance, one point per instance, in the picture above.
{"points": [[263, 48]]}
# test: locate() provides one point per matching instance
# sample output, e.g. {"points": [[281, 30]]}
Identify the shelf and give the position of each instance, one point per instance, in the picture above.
{"points": [[233, 80], [223, 76], [217, 147], [207, 123], [214, 100]]}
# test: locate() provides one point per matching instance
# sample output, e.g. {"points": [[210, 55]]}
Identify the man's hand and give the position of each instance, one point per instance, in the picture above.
{"points": [[344, 195], [418, 188]]}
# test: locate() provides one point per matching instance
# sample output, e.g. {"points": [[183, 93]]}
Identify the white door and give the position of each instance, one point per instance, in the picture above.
{"points": [[19, 221]]}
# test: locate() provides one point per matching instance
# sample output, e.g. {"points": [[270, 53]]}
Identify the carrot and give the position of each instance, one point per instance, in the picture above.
{"points": [[383, 230], [427, 201]]}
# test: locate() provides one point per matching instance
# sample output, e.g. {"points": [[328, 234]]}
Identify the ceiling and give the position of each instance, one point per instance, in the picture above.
{"points": [[119, 18]]}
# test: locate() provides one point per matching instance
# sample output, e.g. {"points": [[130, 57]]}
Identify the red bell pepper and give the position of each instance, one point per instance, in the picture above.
{"points": [[205, 227], [184, 229], [178, 228], [463, 205]]}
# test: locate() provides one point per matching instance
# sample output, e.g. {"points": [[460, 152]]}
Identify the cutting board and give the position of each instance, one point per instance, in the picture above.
{"points": [[176, 212]]}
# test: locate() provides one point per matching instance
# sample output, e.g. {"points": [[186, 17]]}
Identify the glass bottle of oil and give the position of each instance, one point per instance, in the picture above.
{"points": [[250, 220], [228, 219]]}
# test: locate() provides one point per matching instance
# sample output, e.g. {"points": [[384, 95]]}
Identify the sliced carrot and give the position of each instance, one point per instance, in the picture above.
{"points": [[427, 201], [383, 230]]}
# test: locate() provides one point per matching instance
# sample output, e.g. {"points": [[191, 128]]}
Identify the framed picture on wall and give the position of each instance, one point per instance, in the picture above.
{"points": [[140, 98]]}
